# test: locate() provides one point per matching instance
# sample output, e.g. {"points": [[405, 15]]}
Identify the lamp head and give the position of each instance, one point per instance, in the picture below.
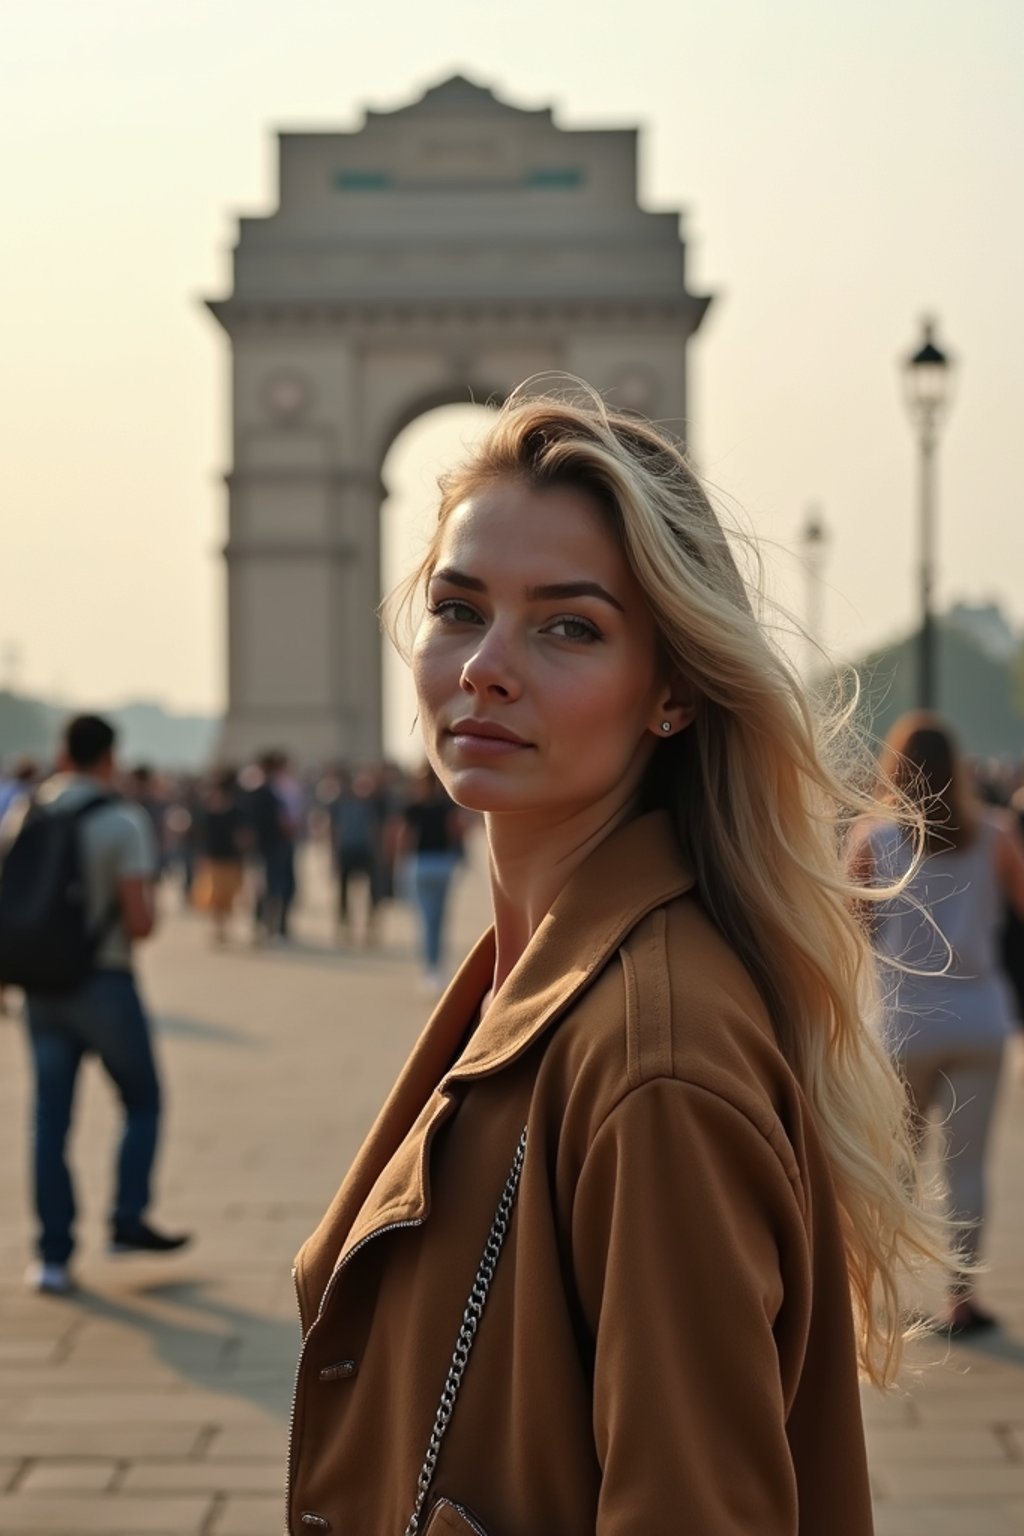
{"points": [[927, 377]]}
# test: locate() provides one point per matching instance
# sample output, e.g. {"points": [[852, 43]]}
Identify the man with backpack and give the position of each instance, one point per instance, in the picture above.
{"points": [[76, 893]]}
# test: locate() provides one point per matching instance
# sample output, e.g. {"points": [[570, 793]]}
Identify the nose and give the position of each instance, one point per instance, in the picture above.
{"points": [[491, 672]]}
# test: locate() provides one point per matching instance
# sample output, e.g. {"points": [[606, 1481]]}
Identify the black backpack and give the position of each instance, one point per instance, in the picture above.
{"points": [[46, 944]]}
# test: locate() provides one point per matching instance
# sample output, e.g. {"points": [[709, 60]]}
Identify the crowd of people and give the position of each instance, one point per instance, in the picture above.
{"points": [[84, 845], [231, 840], [391, 836]]}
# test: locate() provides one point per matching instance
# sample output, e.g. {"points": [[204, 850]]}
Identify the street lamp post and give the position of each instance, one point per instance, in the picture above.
{"points": [[814, 538], [926, 378]]}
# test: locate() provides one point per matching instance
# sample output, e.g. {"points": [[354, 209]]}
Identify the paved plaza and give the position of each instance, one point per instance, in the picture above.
{"points": [[155, 1401]]}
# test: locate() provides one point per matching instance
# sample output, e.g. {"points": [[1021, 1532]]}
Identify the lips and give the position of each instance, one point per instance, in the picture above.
{"points": [[486, 730]]}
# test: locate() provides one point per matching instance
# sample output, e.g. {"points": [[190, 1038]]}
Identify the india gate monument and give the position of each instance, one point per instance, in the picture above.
{"points": [[440, 253]]}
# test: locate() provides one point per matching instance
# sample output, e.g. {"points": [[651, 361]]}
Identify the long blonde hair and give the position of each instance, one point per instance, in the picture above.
{"points": [[921, 760], [762, 801]]}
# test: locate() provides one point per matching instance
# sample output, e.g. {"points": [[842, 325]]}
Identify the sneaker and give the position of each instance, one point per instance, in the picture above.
{"points": [[141, 1238], [49, 1279]]}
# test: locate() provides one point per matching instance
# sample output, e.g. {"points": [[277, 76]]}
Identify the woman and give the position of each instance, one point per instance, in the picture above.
{"points": [[665, 1016], [949, 1007], [221, 839], [430, 838]]}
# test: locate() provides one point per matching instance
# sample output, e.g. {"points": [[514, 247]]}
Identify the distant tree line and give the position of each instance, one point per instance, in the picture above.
{"points": [[982, 695], [147, 731]]}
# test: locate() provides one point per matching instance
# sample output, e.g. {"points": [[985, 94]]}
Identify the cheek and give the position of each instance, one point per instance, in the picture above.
{"points": [[611, 706], [430, 671]]}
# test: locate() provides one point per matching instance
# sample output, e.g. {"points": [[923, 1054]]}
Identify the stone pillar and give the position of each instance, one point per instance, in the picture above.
{"points": [[304, 660]]}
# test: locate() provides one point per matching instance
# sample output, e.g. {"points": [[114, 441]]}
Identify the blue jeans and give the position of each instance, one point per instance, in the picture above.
{"points": [[105, 1016], [431, 878], [278, 892]]}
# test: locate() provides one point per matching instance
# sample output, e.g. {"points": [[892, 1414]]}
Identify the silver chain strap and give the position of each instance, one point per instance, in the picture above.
{"points": [[467, 1333]]}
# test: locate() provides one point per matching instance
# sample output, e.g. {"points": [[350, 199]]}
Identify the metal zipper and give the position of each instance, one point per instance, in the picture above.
{"points": [[393, 1226]]}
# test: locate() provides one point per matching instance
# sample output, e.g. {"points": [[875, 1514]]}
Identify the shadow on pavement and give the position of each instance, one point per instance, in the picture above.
{"points": [[214, 1346], [201, 1029]]}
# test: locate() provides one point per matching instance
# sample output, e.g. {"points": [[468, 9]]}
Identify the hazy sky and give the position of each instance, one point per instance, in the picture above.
{"points": [[842, 169]]}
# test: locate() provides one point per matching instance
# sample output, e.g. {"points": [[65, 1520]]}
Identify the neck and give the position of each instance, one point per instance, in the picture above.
{"points": [[531, 860], [94, 775]]}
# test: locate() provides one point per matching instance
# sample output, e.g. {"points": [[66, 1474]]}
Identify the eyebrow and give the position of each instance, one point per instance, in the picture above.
{"points": [[553, 590]]}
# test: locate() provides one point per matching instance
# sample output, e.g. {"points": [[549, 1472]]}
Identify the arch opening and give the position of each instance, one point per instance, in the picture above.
{"points": [[418, 454]]}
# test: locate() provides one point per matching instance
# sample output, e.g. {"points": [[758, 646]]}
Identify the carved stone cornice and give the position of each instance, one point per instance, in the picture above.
{"points": [[316, 550], [283, 709], [377, 317], [345, 477]]}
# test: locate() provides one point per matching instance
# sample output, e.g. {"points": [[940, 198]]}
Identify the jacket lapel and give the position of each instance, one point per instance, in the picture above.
{"points": [[387, 1180], [637, 868]]}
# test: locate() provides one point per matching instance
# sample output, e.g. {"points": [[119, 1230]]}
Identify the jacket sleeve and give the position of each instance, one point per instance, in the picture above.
{"points": [[687, 1233]]}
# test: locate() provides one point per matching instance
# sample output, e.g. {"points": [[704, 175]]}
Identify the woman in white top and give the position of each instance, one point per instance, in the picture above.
{"points": [[949, 1010]]}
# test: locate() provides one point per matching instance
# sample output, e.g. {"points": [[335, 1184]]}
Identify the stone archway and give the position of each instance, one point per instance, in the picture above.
{"points": [[442, 252]]}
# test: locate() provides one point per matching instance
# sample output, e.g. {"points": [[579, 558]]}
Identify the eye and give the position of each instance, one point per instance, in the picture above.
{"points": [[453, 611], [569, 627]]}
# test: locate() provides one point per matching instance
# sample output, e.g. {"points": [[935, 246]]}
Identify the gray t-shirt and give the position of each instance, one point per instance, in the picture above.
{"points": [[117, 844]]}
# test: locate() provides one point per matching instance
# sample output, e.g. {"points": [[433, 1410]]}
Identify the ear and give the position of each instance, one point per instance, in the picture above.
{"points": [[675, 711]]}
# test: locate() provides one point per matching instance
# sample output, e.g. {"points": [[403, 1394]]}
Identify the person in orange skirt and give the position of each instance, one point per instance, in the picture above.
{"points": [[222, 844]]}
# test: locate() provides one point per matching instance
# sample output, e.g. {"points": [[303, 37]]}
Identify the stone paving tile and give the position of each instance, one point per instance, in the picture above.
{"points": [[83, 1476], [934, 1480], [257, 1476], [994, 1408], [125, 1352], [30, 1316], [100, 1439], [235, 1441], [17, 1388], [117, 1408], [942, 1520], [956, 1444], [240, 1516], [17, 1350], [24, 1514], [885, 1408]]}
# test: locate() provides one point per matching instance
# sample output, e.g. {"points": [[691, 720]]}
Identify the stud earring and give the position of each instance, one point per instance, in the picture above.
{"points": [[666, 726]]}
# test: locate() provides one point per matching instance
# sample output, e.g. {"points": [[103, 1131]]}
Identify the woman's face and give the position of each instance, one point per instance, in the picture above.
{"points": [[536, 664]]}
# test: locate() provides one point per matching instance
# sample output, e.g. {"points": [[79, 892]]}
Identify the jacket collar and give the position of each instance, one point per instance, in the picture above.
{"points": [[637, 868]]}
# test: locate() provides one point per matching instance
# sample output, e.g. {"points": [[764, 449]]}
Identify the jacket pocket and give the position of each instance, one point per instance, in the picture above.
{"points": [[450, 1519]]}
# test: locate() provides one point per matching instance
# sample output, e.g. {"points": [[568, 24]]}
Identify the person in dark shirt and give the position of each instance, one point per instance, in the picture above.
{"points": [[432, 841], [142, 786], [272, 834], [357, 817]]}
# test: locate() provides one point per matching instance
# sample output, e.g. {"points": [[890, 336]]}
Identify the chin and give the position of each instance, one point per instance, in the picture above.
{"points": [[477, 789]]}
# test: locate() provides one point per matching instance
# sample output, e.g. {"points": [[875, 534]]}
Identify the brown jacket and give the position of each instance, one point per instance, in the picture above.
{"points": [[667, 1347]]}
